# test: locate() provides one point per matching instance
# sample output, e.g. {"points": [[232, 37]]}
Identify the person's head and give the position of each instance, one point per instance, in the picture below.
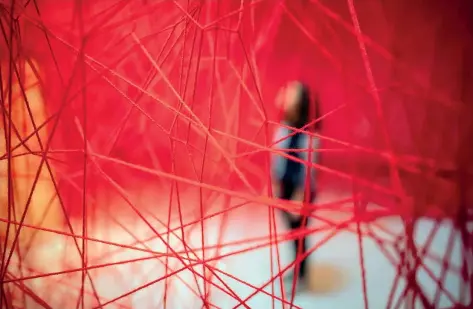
{"points": [[299, 107]]}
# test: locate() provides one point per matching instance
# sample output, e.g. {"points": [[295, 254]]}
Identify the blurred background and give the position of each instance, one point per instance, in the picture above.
{"points": [[164, 98]]}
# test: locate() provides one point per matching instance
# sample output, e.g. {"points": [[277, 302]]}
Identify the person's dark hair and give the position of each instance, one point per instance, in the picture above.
{"points": [[309, 110]]}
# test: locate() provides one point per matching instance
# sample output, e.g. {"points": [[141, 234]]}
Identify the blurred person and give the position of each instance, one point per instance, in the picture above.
{"points": [[290, 178]]}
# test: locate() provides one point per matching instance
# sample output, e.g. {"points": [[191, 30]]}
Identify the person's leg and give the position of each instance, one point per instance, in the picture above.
{"points": [[299, 245], [296, 223]]}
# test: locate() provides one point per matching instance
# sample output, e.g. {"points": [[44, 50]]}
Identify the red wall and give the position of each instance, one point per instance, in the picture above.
{"points": [[418, 54]]}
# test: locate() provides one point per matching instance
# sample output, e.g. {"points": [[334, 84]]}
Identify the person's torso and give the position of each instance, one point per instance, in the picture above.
{"points": [[297, 145]]}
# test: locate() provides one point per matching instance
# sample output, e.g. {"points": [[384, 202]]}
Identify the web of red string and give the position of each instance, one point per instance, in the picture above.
{"points": [[196, 129]]}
